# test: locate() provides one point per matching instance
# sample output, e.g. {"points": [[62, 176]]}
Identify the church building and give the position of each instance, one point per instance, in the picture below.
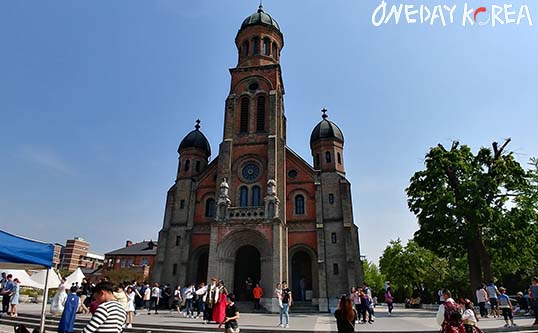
{"points": [[258, 210]]}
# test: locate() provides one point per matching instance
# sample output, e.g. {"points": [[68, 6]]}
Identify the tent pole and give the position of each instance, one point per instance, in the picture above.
{"points": [[44, 306]]}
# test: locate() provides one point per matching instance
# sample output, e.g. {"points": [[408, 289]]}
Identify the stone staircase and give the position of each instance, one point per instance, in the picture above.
{"points": [[297, 307], [303, 307]]}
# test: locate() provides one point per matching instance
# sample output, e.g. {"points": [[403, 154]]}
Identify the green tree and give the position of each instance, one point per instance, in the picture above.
{"points": [[124, 274], [464, 203], [373, 277], [413, 270]]}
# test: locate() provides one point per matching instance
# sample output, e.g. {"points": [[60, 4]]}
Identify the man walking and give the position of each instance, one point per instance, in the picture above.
{"points": [[110, 315]]}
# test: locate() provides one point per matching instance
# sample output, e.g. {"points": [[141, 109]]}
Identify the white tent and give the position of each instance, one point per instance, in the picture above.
{"points": [[53, 282], [26, 280], [75, 277]]}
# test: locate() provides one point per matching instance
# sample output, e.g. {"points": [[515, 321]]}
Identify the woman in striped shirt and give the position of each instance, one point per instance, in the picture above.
{"points": [[110, 315]]}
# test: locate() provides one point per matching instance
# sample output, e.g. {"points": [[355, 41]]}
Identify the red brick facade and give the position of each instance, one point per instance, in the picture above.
{"points": [[258, 209]]}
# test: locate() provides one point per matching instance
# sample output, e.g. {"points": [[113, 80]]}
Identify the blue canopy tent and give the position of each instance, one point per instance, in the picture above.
{"points": [[22, 253]]}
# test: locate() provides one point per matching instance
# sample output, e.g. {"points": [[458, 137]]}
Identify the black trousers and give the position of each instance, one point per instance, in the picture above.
{"points": [[5, 303], [483, 311], [535, 308], [208, 313], [257, 304]]}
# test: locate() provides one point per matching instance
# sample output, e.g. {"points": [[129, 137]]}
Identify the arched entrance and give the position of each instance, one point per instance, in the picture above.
{"points": [[198, 267], [247, 265], [301, 268], [201, 272]]}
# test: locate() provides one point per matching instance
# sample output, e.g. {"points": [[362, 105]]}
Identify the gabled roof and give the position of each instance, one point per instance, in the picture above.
{"points": [[145, 248]]}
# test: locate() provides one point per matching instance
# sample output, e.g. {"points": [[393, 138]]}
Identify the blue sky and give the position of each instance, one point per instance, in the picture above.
{"points": [[95, 97]]}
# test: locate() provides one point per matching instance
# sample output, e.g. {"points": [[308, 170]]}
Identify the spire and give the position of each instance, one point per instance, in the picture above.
{"points": [[260, 7], [197, 126], [324, 115]]}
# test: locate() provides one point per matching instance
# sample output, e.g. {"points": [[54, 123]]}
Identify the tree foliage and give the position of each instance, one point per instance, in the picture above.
{"points": [[125, 274], [480, 207], [373, 277], [413, 270]]}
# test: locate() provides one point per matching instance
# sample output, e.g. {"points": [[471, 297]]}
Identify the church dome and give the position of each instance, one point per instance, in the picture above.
{"points": [[260, 18], [195, 139], [326, 129]]}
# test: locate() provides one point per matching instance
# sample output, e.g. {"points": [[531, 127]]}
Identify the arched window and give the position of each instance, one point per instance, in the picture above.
{"points": [[339, 158], [210, 207], [187, 165], [197, 166], [316, 161], [245, 48], [260, 120], [243, 196], [275, 50], [243, 126], [299, 204], [256, 199], [328, 157], [256, 48], [266, 46]]}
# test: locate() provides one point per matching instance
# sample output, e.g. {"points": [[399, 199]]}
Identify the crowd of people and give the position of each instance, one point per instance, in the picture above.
{"points": [[496, 300], [212, 303], [455, 316], [115, 306]]}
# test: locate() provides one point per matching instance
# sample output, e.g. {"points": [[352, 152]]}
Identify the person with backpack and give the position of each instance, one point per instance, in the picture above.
{"points": [[449, 315]]}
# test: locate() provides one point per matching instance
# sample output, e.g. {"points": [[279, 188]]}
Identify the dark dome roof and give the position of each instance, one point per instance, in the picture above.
{"points": [[326, 129], [260, 17], [195, 139]]}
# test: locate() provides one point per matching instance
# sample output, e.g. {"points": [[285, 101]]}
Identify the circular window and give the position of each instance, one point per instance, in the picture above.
{"points": [[253, 86], [250, 171], [292, 173]]}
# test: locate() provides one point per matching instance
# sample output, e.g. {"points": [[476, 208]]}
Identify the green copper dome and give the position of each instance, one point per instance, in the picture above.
{"points": [[260, 18]]}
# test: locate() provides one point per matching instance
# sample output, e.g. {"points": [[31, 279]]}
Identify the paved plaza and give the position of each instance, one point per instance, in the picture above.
{"points": [[402, 320]]}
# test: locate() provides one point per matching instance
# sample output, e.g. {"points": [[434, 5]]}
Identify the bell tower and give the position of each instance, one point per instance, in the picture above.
{"points": [[252, 154]]}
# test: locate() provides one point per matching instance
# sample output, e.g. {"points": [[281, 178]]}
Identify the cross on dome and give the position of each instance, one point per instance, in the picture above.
{"points": [[197, 126], [324, 116]]}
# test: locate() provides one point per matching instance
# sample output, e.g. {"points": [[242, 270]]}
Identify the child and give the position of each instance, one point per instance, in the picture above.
{"points": [[469, 317], [278, 294], [506, 307]]}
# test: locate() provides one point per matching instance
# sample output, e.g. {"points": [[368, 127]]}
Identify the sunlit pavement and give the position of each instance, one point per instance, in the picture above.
{"points": [[401, 320]]}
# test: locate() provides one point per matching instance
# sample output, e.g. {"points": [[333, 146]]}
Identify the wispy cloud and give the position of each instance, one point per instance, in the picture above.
{"points": [[46, 158]]}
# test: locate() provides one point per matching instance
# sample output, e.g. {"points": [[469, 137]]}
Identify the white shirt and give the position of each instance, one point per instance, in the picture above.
{"points": [[440, 317], [469, 318], [155, 292], [481, 296], [202, 292]]}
